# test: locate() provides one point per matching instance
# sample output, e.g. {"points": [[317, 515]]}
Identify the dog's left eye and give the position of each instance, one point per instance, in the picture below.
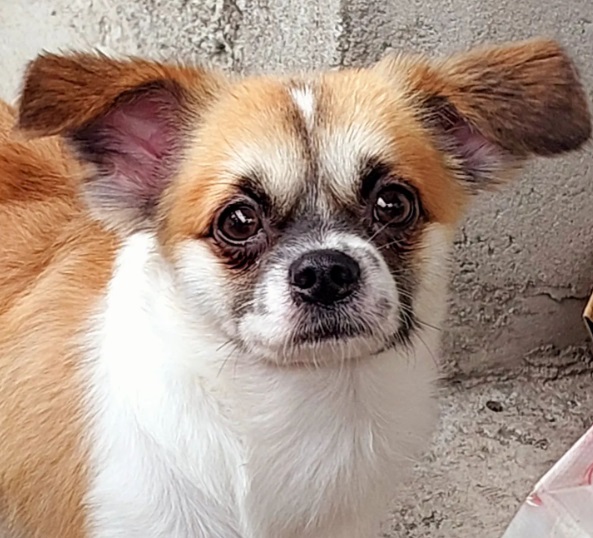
{"points": [[238, 223], [395, 205]]}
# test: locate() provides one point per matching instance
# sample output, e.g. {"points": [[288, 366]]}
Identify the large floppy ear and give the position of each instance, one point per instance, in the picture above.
{"points": [[129, 119], [493, 107]]}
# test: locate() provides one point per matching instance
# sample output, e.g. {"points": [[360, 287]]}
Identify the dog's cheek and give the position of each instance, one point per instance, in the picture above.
{"points": [[242, 288], [206, 283], [432, 262]]}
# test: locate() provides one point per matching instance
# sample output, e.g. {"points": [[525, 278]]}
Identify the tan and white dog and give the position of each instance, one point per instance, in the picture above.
{"points": [[220, 299]]}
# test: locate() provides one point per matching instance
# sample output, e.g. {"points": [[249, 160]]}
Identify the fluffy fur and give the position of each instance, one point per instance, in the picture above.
{"points": [[157, 379]]}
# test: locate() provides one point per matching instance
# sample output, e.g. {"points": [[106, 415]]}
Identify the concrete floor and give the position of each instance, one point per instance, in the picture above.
{"points": [[499, 433]]}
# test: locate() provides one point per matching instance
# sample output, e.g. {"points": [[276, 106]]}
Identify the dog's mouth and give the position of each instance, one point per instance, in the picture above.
{"points": [[330, 340], [335, 330], [312, 334]]}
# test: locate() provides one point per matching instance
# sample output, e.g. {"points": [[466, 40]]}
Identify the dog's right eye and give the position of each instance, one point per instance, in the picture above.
{"points": [[238, 223], [395, 206]]}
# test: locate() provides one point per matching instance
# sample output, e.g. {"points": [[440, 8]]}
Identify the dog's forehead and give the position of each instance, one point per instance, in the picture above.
{"points": [[295, 135]]}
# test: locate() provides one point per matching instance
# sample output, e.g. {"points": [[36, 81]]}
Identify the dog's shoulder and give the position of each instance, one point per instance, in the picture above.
{"points": [[38, 204]]}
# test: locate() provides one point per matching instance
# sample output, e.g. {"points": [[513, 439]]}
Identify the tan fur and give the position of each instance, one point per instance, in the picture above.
{"points": [[54, 264], [525, 96], [354, 97], [205, 180], [7, 120], [62, 94], [43, 475], [37, 187], [55, 261]]}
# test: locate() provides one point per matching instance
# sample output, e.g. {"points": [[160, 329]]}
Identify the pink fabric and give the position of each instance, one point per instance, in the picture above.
{"points": [[561, 504]]}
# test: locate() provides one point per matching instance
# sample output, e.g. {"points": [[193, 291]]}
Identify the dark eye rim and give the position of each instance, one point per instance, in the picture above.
{"points": [[402, 188], [222, 238]]}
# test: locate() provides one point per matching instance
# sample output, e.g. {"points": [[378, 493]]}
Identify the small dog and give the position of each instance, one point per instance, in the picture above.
{"points": [[220, 299]]}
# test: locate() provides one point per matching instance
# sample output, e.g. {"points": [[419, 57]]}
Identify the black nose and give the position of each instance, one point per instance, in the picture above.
{"points": [[324, 276]]}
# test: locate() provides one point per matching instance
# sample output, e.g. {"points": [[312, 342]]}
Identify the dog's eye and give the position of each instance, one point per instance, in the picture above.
{"points": [[395, 205], [238, 223]]}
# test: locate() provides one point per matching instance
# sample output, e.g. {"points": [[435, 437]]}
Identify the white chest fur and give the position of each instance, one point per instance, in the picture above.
{"points": [[183, 448]]}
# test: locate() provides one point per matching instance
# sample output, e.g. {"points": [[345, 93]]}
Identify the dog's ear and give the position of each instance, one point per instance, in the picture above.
{"points": [[128, 118], [493, 107]]}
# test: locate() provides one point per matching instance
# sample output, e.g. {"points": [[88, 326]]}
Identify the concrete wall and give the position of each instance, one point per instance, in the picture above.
{"points": [[524, 258]]}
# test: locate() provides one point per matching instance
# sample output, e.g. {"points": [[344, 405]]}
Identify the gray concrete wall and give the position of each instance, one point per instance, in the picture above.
{"points": [[524, 258]]}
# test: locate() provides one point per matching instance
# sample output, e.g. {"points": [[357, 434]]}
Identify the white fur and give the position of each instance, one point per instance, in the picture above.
{"points": [[305, 101], [190, 440], [344, 148]]}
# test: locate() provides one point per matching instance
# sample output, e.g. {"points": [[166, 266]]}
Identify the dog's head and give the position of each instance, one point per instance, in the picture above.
{"points": [[306, 218]]}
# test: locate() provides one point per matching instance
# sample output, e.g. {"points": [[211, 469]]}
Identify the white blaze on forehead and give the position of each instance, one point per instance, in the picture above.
{"points": [[304, 97]]}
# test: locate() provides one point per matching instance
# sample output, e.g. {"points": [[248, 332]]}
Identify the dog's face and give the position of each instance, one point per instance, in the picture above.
{"points": [[327, 197], [306, 219]]}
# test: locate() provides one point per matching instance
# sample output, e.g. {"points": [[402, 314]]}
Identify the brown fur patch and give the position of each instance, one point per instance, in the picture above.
{"points": [[63, 93], [54, 264], [37, 196], [352, 98], [257, 117], [43, 476], [526, 97]]}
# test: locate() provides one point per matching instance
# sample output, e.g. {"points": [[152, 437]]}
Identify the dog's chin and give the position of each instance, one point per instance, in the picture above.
{"points": [[319, 340], [319, 351]]}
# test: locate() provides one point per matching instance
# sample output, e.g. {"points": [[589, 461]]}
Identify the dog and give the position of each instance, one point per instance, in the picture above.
{"points": [[220, 298]]}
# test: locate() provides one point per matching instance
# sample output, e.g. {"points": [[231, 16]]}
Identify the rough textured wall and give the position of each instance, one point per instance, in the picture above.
{"points": [[524, 261]]}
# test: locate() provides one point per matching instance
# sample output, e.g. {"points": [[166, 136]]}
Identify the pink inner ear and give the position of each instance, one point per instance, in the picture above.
{"points": [[478, 153], [480, 156], [142, 129], [134, 146]]}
